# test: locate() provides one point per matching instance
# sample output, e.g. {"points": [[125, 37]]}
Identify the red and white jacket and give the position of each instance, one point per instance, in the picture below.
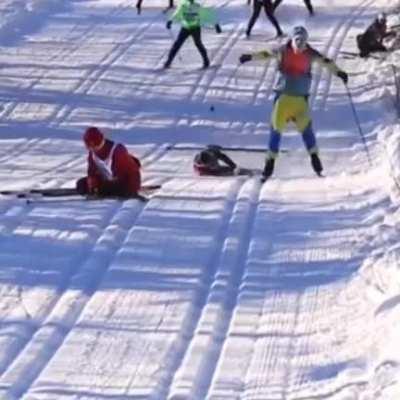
{"points": [[113, 164]]}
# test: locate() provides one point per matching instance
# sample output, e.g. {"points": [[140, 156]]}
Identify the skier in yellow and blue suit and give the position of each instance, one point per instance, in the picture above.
{"points": [[292, 89]]}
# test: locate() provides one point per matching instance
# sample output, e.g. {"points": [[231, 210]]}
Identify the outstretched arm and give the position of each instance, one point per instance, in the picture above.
{"points": [[225, 159], [330, 65], [260, 55]]}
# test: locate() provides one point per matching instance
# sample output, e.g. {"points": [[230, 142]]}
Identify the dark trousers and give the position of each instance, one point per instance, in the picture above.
{"points": [[269, 12], [105, 189], [182, 36], [368, 45], [307, 3]]}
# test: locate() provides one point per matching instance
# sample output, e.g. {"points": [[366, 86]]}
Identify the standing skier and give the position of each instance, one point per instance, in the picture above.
{"points": [[306, 2], [269, 12], [192, 17], [292, 90], [112, 171]]}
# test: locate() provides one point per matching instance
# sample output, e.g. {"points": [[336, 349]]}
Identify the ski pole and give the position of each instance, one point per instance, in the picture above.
{"points": [[358, 123], [396, 85]]}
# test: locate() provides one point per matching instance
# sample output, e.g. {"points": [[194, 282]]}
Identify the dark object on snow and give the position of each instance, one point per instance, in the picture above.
{"points": [[212, 161], [372, 39]]}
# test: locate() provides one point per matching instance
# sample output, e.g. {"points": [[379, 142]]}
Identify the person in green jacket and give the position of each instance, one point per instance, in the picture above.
{"points": [[192, 16]]}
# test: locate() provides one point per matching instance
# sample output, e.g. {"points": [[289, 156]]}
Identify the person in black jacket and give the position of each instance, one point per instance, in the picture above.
{"points": [[269, 12], [372, 39], [212, 161], [306, 2]]}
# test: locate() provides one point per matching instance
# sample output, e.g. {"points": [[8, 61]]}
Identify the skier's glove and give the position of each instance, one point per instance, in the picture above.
{"points": [[218, 28], [343, 76], [244, 58], [93, 185], [169, 24]]}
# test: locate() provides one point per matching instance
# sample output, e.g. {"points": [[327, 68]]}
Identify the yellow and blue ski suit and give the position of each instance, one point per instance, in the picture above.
{"points": [[292, 90]]}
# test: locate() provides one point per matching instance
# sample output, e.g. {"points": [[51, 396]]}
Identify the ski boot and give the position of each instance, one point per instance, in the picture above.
{"points": [[268, 169], [316, 164]]}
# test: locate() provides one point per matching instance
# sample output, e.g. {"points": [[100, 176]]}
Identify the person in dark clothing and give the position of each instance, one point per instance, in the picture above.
{"points": [[372, 39], [306, 2], [212, 161], [139, 6], [269, 12], [192, 17], [112, 171]]}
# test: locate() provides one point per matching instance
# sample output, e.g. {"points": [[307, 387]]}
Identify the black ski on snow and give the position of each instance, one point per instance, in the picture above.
{"points": [[222, 148], [65, 192]]}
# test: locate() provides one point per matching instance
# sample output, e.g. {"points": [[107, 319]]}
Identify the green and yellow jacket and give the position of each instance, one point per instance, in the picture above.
{"points": [[192, 15]]}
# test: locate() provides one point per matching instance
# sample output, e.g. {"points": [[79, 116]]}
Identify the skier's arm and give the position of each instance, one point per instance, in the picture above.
{"points": [[126, 171], [330, 65], [225, 159], [178, 14], [260, 55]]}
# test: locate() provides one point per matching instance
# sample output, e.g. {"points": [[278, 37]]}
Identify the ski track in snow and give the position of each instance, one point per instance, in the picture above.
{"points": [[217, 288], [56, 320]]}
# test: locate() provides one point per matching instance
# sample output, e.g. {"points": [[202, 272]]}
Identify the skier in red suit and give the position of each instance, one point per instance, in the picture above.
{"points": [[112, 171]]}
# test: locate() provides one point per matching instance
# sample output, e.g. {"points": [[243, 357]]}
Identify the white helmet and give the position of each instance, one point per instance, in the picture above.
{"points": [[381, 18], [299, 37]]}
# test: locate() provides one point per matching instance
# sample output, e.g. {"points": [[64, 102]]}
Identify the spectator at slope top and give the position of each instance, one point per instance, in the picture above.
{"points": [[192, 16], [269, 12], [306, 2], [111, 171], [372, 39], [292, 88]]}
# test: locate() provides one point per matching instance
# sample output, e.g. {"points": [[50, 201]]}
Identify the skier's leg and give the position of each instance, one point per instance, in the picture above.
{"points": [[182, 36], [309, 7], [311, 145], [278, 123], [377, 47], [139, 6], [196, 35], [276, 4], [256, 12], [171, 4], [269, 12], [304, 125], [82, 186]]}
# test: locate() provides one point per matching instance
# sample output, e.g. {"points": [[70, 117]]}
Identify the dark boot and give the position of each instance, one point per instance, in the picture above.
{"points": [[269, 168], [316, 164]]}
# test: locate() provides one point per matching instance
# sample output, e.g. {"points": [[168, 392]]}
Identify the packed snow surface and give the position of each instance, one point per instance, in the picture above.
{"points": [[216, 288]]}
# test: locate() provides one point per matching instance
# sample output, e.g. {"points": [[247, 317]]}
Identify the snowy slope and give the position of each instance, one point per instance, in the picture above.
{"points": [[217, 288]]}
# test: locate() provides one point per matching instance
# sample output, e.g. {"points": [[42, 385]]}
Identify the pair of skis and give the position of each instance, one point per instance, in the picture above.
{"points": [[31, 194]]}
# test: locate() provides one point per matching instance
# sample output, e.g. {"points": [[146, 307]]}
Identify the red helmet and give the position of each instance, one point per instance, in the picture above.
{"points": [[93, 137]]}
